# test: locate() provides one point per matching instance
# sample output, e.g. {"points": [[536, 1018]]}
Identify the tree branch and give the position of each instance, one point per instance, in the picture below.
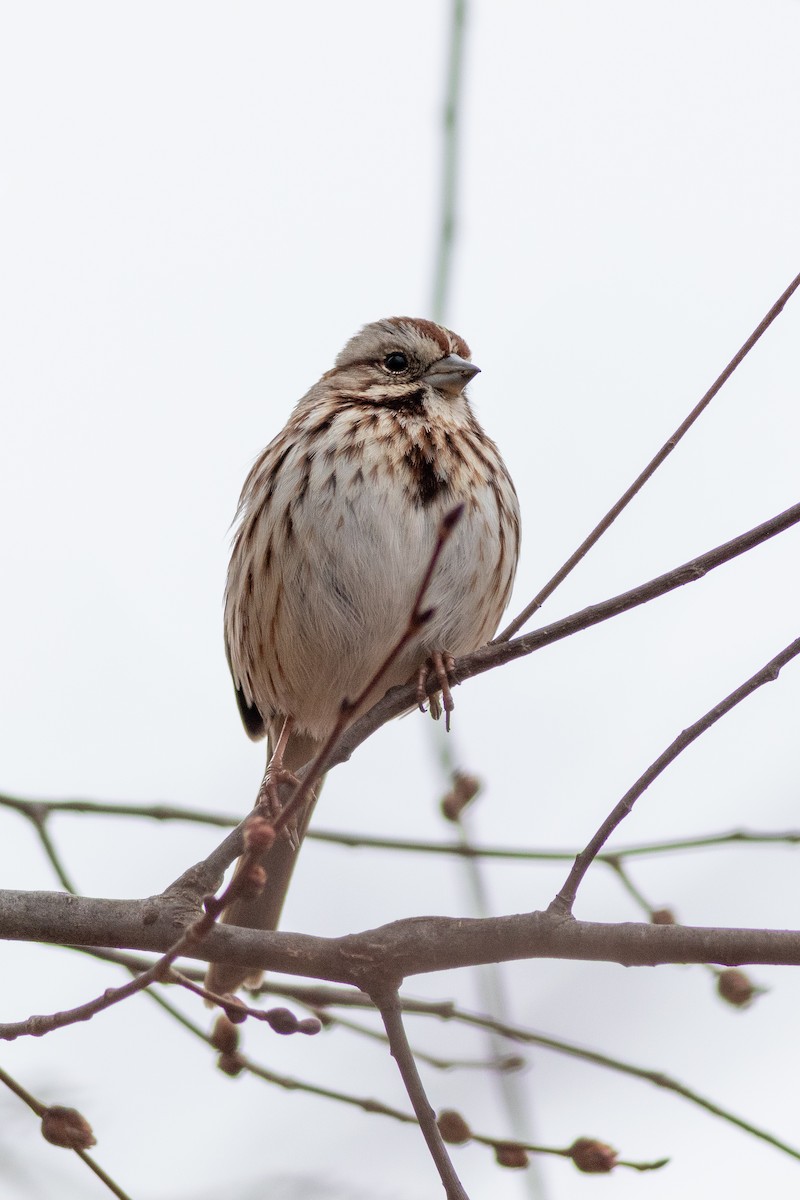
{"points": [[565, 898], [415, 946], [388, 1003], [650, 469]]}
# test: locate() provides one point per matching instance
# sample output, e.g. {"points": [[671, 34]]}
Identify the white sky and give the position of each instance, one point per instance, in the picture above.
{"points": [[199, 203]]}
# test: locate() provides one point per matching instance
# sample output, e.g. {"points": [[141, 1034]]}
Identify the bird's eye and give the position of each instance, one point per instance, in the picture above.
{"points": [[396, 362]]}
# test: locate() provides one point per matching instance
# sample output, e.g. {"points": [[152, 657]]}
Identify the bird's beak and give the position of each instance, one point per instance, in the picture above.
{"points": [[451, 374]]}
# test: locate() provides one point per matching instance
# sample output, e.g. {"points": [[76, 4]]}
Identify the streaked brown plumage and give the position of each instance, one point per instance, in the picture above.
{"points": [[337, 521]]}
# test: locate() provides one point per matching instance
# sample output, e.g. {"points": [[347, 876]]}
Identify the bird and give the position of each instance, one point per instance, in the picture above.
{"points": [[335, 528]]}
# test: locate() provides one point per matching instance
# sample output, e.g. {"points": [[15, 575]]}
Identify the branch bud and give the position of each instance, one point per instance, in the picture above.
{"points": [[464, 790], [224, 1035], [282, 1021], [453, 1128], [511, 1154], [66, 1127], [235, 1008], [259, 834], [252, 881], [737, 988], [592, 1156], [230, 1064]]}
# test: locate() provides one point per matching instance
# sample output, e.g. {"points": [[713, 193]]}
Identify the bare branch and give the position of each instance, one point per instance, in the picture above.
{"points": [[650, 469], [169, 812], [388, 1004], [414, 946], [565, 898]]}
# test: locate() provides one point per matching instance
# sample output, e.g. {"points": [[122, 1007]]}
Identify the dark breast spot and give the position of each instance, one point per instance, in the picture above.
{"points": [[427, 483]]}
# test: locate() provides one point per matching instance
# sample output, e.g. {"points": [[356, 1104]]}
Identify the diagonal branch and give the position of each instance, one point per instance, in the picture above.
{"points": [[565, 899], [650, 469], [388, 1004]]}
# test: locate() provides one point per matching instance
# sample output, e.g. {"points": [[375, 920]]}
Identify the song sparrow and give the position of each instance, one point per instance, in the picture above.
{"points": [[338, 518]]}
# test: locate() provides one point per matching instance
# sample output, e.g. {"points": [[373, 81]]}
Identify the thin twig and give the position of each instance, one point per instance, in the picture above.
{"points": [[650, 469], [623, 875], [37, 813], [166, 812], [502, 1063], [388, 1004], [565, 898], [155, 812]]}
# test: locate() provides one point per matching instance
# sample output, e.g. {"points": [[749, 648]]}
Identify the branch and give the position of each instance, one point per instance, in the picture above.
{"points": [[415, 946], [565, 899], [650, 469], [174, 812], [389, 1006]]}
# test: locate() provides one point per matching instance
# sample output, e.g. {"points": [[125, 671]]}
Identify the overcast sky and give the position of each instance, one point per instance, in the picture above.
{"points": [[199, 204]]}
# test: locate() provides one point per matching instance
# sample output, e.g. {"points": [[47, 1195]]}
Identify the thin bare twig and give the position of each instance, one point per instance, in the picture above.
{"points": [[37, 813], [623, 875], [502, 1063], [167, 812], [565, 898], [155, 812], [650, 469], [388, 1004]]}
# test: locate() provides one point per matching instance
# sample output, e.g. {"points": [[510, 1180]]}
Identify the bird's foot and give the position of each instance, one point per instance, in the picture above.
{"points": [[439, 667]]}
